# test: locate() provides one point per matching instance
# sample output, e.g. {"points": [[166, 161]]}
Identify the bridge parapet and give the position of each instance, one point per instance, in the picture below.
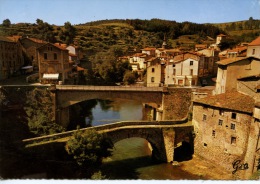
{"points": [[108, 88], [100, 128]]}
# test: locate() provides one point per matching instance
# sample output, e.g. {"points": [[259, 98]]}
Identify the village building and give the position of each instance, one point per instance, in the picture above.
{"points": [[53, 63], [199, 47], [138, 61], [75, 53], [150, 51], [227, 132], [211, 57], [30, 46], [253, 48], [239, 51], [155, 73], [11, 57], [227, 124], [231, 69], [187, 69]]}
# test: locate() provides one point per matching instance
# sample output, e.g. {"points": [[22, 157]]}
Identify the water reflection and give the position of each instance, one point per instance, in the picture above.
{"points": [[98, 112]]}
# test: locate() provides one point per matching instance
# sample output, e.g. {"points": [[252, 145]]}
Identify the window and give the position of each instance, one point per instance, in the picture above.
{"points": [[173, 65], [152, 79], [45, 56], [191, 63], [253, 52], [191, 71], [233, 140], [174, 72], [204, 117], [220, 122], [55, 56], [221, 112], [205, 144], [213, 133], [152, 69], [234, 115], [233, 126]]}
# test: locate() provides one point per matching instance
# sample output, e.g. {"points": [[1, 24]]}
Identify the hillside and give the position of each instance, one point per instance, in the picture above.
{"points": [[106, 35]]}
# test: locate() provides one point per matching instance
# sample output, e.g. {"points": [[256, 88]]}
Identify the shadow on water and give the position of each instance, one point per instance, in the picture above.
{"points": [[127, 168]]}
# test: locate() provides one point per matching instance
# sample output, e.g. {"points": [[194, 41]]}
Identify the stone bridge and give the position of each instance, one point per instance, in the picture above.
{"points": [[67, 95], [163, 136]]}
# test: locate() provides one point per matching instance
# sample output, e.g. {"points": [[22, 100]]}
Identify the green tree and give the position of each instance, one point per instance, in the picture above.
{"points": [[40, 114], [129, 78], [6, 23], [89, 148], [68, 34]]}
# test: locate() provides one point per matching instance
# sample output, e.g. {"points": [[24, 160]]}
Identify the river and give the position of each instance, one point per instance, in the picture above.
{"points": [[131, 158]]}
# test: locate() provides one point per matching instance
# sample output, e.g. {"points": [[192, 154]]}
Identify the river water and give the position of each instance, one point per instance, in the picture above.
{"points": [[131, 158]]}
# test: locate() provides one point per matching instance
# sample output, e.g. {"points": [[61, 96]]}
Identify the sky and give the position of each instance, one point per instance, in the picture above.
{"points": [[81, 11]]}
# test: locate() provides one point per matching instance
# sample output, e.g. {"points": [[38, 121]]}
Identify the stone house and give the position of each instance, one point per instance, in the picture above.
{"points": [[253, 48], [138, 61], [239, 51], [53, 63], [30, 46], [211, 57], [155, 73], [11, 57], [149, 51], [230, 69], [75, 53], [186, 69], [227, 132]]}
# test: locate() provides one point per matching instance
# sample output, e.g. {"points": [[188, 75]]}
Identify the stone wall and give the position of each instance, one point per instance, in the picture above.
{"points": [[214, 142], [176, 103]]}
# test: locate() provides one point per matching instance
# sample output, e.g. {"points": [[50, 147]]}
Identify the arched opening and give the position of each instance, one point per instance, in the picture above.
{"points": [[183, 151], [96, 112], [129, 156]]}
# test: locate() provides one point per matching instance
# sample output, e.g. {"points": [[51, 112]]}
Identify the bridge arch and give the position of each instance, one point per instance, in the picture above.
{"points": [[153, 136]]}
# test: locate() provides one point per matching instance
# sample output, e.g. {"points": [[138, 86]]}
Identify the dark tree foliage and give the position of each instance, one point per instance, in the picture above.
{"points": [[129, 78], [173, 28], [6, 23], [45, 31], [88, 149], [40, 113], [68, 34]]}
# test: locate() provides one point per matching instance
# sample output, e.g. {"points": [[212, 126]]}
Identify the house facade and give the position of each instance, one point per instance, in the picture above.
{"points": [[227, 132], [53, 63], [30, 46], [230, 69], [253, 48], [155, 73], [11, 57], [138, 61], [185, 69]]}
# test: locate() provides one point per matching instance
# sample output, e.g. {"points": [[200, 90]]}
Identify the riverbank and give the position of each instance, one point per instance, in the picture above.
{"points": [[204, 169]]}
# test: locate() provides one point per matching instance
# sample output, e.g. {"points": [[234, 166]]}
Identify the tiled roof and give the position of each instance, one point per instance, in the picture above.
{"points": [[149, 48], [238, 49], [221, 35], [14, 38], [60, 46], [37, 40], [230, 60], [232, 100], [5, 39], [57, 46], [255, 42]]}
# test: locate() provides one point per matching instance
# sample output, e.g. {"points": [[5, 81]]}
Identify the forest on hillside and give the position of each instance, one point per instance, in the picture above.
{"points": [[102, 42]]}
